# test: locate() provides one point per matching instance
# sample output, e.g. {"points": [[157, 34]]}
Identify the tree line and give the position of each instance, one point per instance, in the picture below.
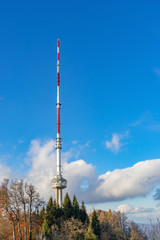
{"points": [[72, 222], [24, 215]]}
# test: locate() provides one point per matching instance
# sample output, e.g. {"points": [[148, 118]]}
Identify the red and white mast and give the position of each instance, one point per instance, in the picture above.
{"points": [[58, 139], [58, 183]]}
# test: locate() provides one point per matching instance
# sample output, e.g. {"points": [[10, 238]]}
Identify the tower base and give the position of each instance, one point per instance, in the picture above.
{"points": [[59, 183], [58, 196]]}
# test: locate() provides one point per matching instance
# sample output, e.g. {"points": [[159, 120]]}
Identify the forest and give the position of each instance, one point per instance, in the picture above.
{"points": [[25, 216]]}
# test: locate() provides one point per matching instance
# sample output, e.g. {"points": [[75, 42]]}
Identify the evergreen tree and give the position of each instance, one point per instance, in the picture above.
{"points": [[90, 235], [58, 212], [95, 224], [42, 212], [76, 210], [58, 216], [83, 214], [50, 212], [67, 207], [45, 228], [49, 204]]}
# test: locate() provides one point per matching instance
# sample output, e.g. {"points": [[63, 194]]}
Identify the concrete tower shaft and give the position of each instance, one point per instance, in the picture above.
{"points": [[58, 183]]}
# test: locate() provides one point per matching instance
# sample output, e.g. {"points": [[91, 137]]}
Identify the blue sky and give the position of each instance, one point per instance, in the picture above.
{"points": [[110, 83]]}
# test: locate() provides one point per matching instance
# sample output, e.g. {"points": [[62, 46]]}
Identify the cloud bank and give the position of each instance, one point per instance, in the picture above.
{"points": [[119, 184], [125, 208], [131, 182]]}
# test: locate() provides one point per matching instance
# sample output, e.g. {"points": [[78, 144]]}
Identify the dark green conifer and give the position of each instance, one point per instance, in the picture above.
{"points": [[45, 228], [67, 207], [58, 216], [76, 210], [50, 212], [83, 214], [49, 204], [42, 212], [95, 224]]}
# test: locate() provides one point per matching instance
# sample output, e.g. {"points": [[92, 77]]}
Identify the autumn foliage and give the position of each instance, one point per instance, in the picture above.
{"points": [[19, 204], [25, 216]]}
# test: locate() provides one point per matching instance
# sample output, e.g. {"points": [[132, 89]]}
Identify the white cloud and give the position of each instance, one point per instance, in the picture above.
{"points": [[125, 208], [42, 157], [115, 144], [131, 182], [74, 142], [116, 185], [5, 172], [78, 173]]}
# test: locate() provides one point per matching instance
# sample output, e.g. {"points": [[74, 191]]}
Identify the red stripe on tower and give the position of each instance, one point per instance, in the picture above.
{"points": [[57, 79]]}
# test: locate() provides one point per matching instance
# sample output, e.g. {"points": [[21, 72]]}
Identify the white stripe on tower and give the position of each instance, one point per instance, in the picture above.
{"points": [[58, 75]]}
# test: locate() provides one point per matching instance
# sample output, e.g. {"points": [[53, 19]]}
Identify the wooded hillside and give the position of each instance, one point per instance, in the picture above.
{"points": [[24, 215]]}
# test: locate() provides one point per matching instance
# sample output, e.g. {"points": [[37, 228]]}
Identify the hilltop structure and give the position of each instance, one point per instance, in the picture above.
{"points": [[58, 183]]}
